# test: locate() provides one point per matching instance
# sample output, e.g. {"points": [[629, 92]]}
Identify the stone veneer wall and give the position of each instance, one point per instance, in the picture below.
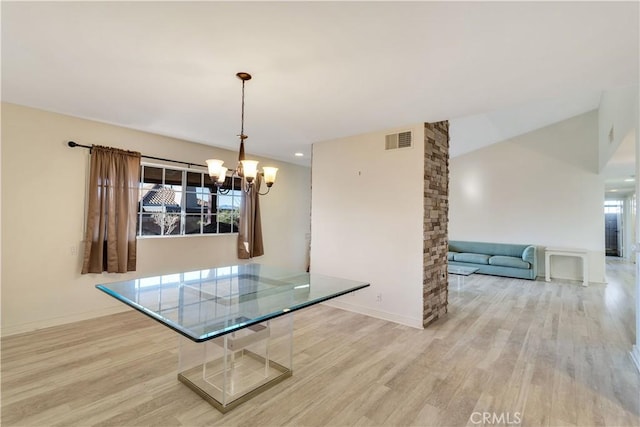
{"points": [[436, 212]]}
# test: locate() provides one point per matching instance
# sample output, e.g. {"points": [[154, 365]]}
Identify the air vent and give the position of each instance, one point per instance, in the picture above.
{"points": [[398, 140]]}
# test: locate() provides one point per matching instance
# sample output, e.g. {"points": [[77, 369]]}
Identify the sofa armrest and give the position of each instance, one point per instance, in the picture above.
{"points": [[530, 255]]}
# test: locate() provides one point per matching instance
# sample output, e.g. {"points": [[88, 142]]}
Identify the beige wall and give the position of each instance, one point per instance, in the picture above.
{"points": [[367, 216], [43, 205], [540, 188]]}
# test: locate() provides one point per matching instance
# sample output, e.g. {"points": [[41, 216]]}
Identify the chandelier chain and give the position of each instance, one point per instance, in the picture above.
{"points": [[242, 135]]}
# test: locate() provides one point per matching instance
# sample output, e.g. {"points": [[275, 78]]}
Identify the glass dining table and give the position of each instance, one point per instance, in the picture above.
{"points": [[235, 323]]}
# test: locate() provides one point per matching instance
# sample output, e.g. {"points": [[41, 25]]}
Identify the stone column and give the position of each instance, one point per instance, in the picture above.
{"points": [[436, 217]]}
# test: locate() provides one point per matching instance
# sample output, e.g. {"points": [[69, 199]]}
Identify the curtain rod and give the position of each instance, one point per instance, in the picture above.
{"points": [[75, 144]]}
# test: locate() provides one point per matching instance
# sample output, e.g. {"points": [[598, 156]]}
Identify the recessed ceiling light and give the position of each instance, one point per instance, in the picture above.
{"points": [[613, 190], [299, 154], [629, 180]]}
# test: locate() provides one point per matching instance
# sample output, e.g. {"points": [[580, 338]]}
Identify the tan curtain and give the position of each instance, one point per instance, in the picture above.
{"points": [[110, 237], [250, 227]]}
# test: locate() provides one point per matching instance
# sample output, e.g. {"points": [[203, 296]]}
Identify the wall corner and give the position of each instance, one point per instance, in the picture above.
{"points": [[435, 223]]}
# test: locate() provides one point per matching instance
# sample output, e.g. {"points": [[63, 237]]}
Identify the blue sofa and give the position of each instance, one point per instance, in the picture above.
{"points": [[498, 259]]}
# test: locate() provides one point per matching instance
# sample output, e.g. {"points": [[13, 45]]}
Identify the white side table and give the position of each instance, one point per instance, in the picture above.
{"points": [[580, 253]]}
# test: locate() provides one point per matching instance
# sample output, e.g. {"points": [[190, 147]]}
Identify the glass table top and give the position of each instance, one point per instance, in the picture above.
{"points": [[206, 304], [461, 270]]}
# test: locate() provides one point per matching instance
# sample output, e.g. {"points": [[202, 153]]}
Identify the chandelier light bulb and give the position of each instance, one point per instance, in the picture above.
{"points": [[223, 175], [250, 168], [269, 175], [215, 168]]}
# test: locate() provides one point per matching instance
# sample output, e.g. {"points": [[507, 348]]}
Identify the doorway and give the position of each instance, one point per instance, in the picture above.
{"points": [[613, 226]]}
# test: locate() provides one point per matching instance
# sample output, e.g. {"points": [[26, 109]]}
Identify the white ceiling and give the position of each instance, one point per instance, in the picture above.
{"points": [[321, 70]]}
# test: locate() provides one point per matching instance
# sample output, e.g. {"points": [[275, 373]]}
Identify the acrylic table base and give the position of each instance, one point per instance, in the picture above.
{"points": [[231, 369], [461, 272]]}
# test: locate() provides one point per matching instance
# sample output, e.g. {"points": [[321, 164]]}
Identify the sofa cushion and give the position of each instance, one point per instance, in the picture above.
{"points": [[508, 261], [450, 255], [473, 258], [505, 249]]}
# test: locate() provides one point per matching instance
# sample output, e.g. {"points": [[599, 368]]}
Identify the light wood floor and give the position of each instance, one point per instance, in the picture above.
{"points": [[547, 354]]}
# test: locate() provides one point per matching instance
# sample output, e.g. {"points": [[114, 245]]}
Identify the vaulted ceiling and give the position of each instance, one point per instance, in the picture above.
{"points": [[322, 70]]}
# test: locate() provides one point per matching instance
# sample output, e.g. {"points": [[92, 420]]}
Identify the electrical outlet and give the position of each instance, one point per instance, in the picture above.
{"points": [[379, 297], [73, 250]]}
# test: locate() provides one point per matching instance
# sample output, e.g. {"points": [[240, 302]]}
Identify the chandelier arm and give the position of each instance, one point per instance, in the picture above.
{"points": [[245, 187], [264, 194]]}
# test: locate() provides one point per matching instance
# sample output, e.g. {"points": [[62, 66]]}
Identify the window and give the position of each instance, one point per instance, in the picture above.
{"points": [[613, 206], [175, 202]]}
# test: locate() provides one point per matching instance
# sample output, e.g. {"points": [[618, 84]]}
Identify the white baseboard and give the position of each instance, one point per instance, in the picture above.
{"points": [[63, 320], [569, 279], [635, 356], [378, 314]]}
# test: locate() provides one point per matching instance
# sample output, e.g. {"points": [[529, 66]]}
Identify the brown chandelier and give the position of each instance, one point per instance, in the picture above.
{"points": [[246, 170]]}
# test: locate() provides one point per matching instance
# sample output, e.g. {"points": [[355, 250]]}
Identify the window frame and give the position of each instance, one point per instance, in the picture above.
{"points": [[234, 193]]}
